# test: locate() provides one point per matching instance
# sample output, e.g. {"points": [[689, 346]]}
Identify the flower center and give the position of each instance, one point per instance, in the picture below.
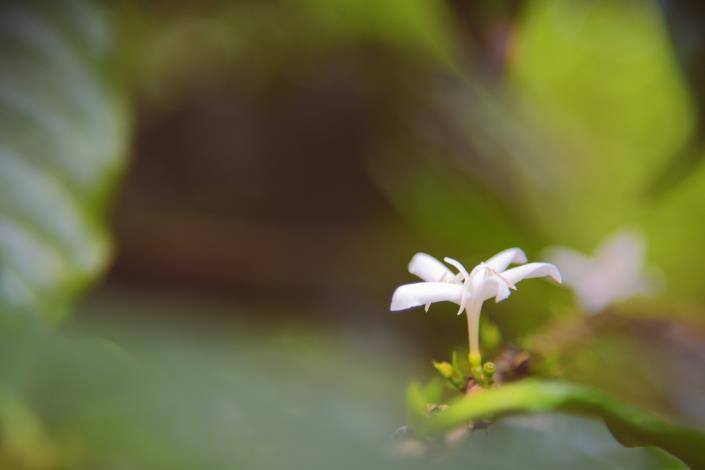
{"points": [[491, 270]]}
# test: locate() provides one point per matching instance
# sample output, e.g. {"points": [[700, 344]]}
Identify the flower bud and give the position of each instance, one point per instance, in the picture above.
{"points": [[478, 375], [445, 369], [489, 368]]}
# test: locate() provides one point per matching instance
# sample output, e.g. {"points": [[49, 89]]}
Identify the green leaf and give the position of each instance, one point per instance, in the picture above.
{"points": [[603, 75], [554, 441], [25, 444], [631, 425], [62, 142]]}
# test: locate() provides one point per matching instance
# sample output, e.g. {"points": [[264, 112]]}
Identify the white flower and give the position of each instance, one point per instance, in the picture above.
{"points": [[615, 272], [469, 290]]}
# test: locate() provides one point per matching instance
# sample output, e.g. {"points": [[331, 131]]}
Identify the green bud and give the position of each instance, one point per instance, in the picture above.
{"points": [[477, 374], [445, 369], [489, 368]]}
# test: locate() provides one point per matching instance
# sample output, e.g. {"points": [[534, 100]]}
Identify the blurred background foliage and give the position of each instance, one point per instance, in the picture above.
{"points": [[63, 127], [265, 170]]}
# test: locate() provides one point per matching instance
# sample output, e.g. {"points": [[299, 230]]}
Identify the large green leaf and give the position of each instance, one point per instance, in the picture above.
{"points": [[631, 425], [604, 76], [555, 441], [62, 139]]}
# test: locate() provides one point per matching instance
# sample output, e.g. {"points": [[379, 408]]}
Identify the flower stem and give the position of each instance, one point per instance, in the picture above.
{"points": [[472, 311]]}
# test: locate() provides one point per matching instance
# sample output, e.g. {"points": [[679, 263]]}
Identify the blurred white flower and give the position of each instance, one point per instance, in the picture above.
{"points": [[469, 290], [614, 273]]}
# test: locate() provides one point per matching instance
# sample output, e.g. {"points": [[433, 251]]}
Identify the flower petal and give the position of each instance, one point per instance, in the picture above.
{"points": [[429, 268], [503, 290], [501, 260], [623, 255], [530, 270], [575, 267], [422, 293], [615, 272]]}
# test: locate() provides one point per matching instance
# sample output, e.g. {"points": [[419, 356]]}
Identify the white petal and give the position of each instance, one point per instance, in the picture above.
{"points": [[501, 260], [615, 273], [429, 268], [422, 293], [623, 256], [530, 270], [627, 246], [574, 266], [503, 290]]}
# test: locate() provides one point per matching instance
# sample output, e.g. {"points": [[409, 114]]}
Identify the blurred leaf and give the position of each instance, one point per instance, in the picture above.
{"points": [[660, 355], [675, 234], [440, 203], [241, 399], [62, 139], [24, 441], [420, 25], [195, 46], [555, 441], [601, 77], [419, 396], [631, 425]]}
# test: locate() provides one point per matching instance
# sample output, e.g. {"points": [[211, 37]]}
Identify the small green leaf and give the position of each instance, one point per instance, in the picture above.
{"points": [[415, 399], [419, 398]]}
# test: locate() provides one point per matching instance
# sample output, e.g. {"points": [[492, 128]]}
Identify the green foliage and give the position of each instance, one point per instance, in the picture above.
{"points": [[421, 25], [245, 399], [419, 396], [563, 151], [631, 425], [603, 76], [62, 142], [172, 49], [646, 361], [601, 79], [25, 443], [453, 372], [554, 441], [239, 398]]}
